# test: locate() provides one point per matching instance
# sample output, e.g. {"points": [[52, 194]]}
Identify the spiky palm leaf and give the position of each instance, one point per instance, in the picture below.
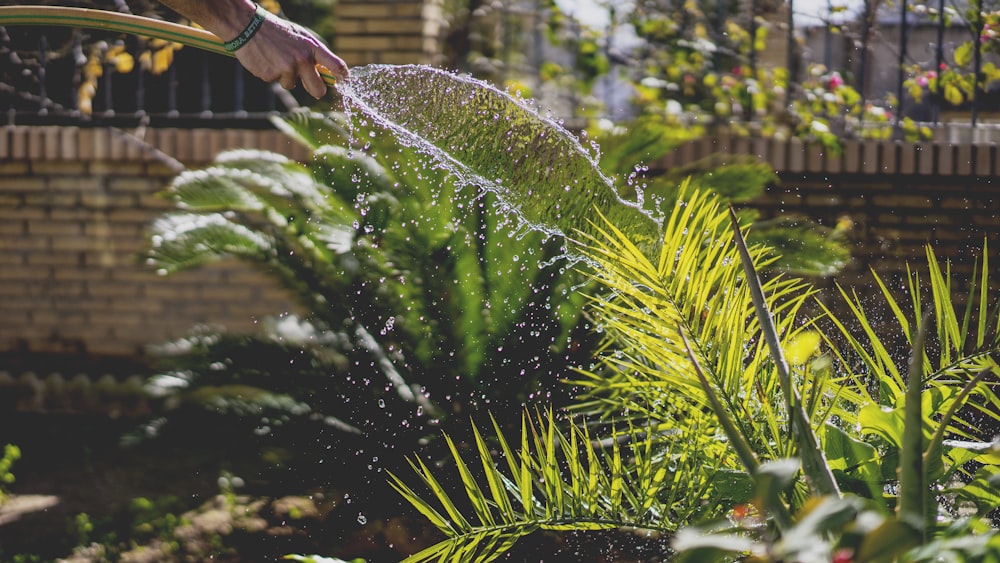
{"points": [[558, 480], [696, 286], [959, 364]]}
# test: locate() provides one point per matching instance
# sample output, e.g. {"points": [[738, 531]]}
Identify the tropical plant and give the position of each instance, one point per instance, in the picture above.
{"points": [[415, 304], [713, 390], [698, 424]]}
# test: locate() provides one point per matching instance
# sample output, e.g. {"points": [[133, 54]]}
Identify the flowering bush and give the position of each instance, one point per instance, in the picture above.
{"points": [[830, 109]]}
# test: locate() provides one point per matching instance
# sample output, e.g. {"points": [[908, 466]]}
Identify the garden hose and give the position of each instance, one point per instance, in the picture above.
{"points": [[121, 23]]}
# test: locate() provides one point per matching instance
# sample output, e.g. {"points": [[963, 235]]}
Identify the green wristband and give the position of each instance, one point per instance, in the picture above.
{"points": [[252, 28]]}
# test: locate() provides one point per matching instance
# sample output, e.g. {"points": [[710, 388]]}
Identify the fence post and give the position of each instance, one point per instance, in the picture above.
{"points": [[902, 61], [977, 59], [790, 62], [937, 96]]}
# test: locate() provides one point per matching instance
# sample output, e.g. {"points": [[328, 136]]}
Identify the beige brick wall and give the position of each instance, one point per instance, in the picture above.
{"points": [[74, 208], [388, 31]]}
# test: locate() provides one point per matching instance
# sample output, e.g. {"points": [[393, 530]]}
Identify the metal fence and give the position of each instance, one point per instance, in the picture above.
{"points": [[61, 76], [883, 45]]}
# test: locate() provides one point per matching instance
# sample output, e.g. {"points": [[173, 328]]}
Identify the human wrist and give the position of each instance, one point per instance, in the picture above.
{"points": [[242, 37]]}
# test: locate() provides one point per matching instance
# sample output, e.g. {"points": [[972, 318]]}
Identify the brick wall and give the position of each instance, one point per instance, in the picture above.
{"points": [[893, 218], [388, 31], [74, 208]]}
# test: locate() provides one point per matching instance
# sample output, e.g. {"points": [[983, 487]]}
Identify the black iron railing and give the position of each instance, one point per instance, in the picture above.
{"points": [[74, 76]]}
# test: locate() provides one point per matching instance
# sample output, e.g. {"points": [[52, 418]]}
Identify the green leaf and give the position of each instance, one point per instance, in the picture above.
{"points": [[853, 459], [883, 422], [953, 94], [310, 129], [734, 486], [889, 540], [805, 248], [695, 545], [772, 479], [963, 53], [982, 490], [822, 519]]}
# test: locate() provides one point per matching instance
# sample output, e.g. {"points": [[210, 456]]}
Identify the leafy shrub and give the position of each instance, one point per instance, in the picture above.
{"points": [[411, 311], [11, 453]]}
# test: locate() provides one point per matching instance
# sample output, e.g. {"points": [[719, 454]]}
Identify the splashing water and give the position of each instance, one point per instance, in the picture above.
{"points": [[488, 139]]}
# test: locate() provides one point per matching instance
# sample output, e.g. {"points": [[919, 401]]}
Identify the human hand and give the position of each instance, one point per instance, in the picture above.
{"points": [[279, 51], [287, 53]]}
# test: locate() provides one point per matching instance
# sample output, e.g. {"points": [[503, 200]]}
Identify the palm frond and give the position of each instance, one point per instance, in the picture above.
{"points": [[557, 480], [695, 285], [962, 348]]}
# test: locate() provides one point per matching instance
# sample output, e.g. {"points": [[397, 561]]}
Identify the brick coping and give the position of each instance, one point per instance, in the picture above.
{"points": [[175, 147], [855, 157]]}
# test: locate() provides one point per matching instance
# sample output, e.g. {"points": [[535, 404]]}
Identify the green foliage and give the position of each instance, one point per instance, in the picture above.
{"points": [[448, 296], [697, 347], [496, 144], [11, 453], [956, 82], [685, 373]]}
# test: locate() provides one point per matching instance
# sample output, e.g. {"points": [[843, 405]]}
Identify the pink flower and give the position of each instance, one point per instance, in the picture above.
{"points": [[835, 81]]}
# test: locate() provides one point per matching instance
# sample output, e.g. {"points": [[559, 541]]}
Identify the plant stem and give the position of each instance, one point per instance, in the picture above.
{"points": [[912, 487], [813, 460]]}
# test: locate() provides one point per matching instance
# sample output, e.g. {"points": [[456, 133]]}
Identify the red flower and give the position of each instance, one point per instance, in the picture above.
{"points": [[741, 511], [843, 555]]}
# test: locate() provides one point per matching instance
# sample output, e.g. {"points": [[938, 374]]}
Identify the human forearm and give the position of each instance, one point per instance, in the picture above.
{"points": [[224, 18], [281, 51]]}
